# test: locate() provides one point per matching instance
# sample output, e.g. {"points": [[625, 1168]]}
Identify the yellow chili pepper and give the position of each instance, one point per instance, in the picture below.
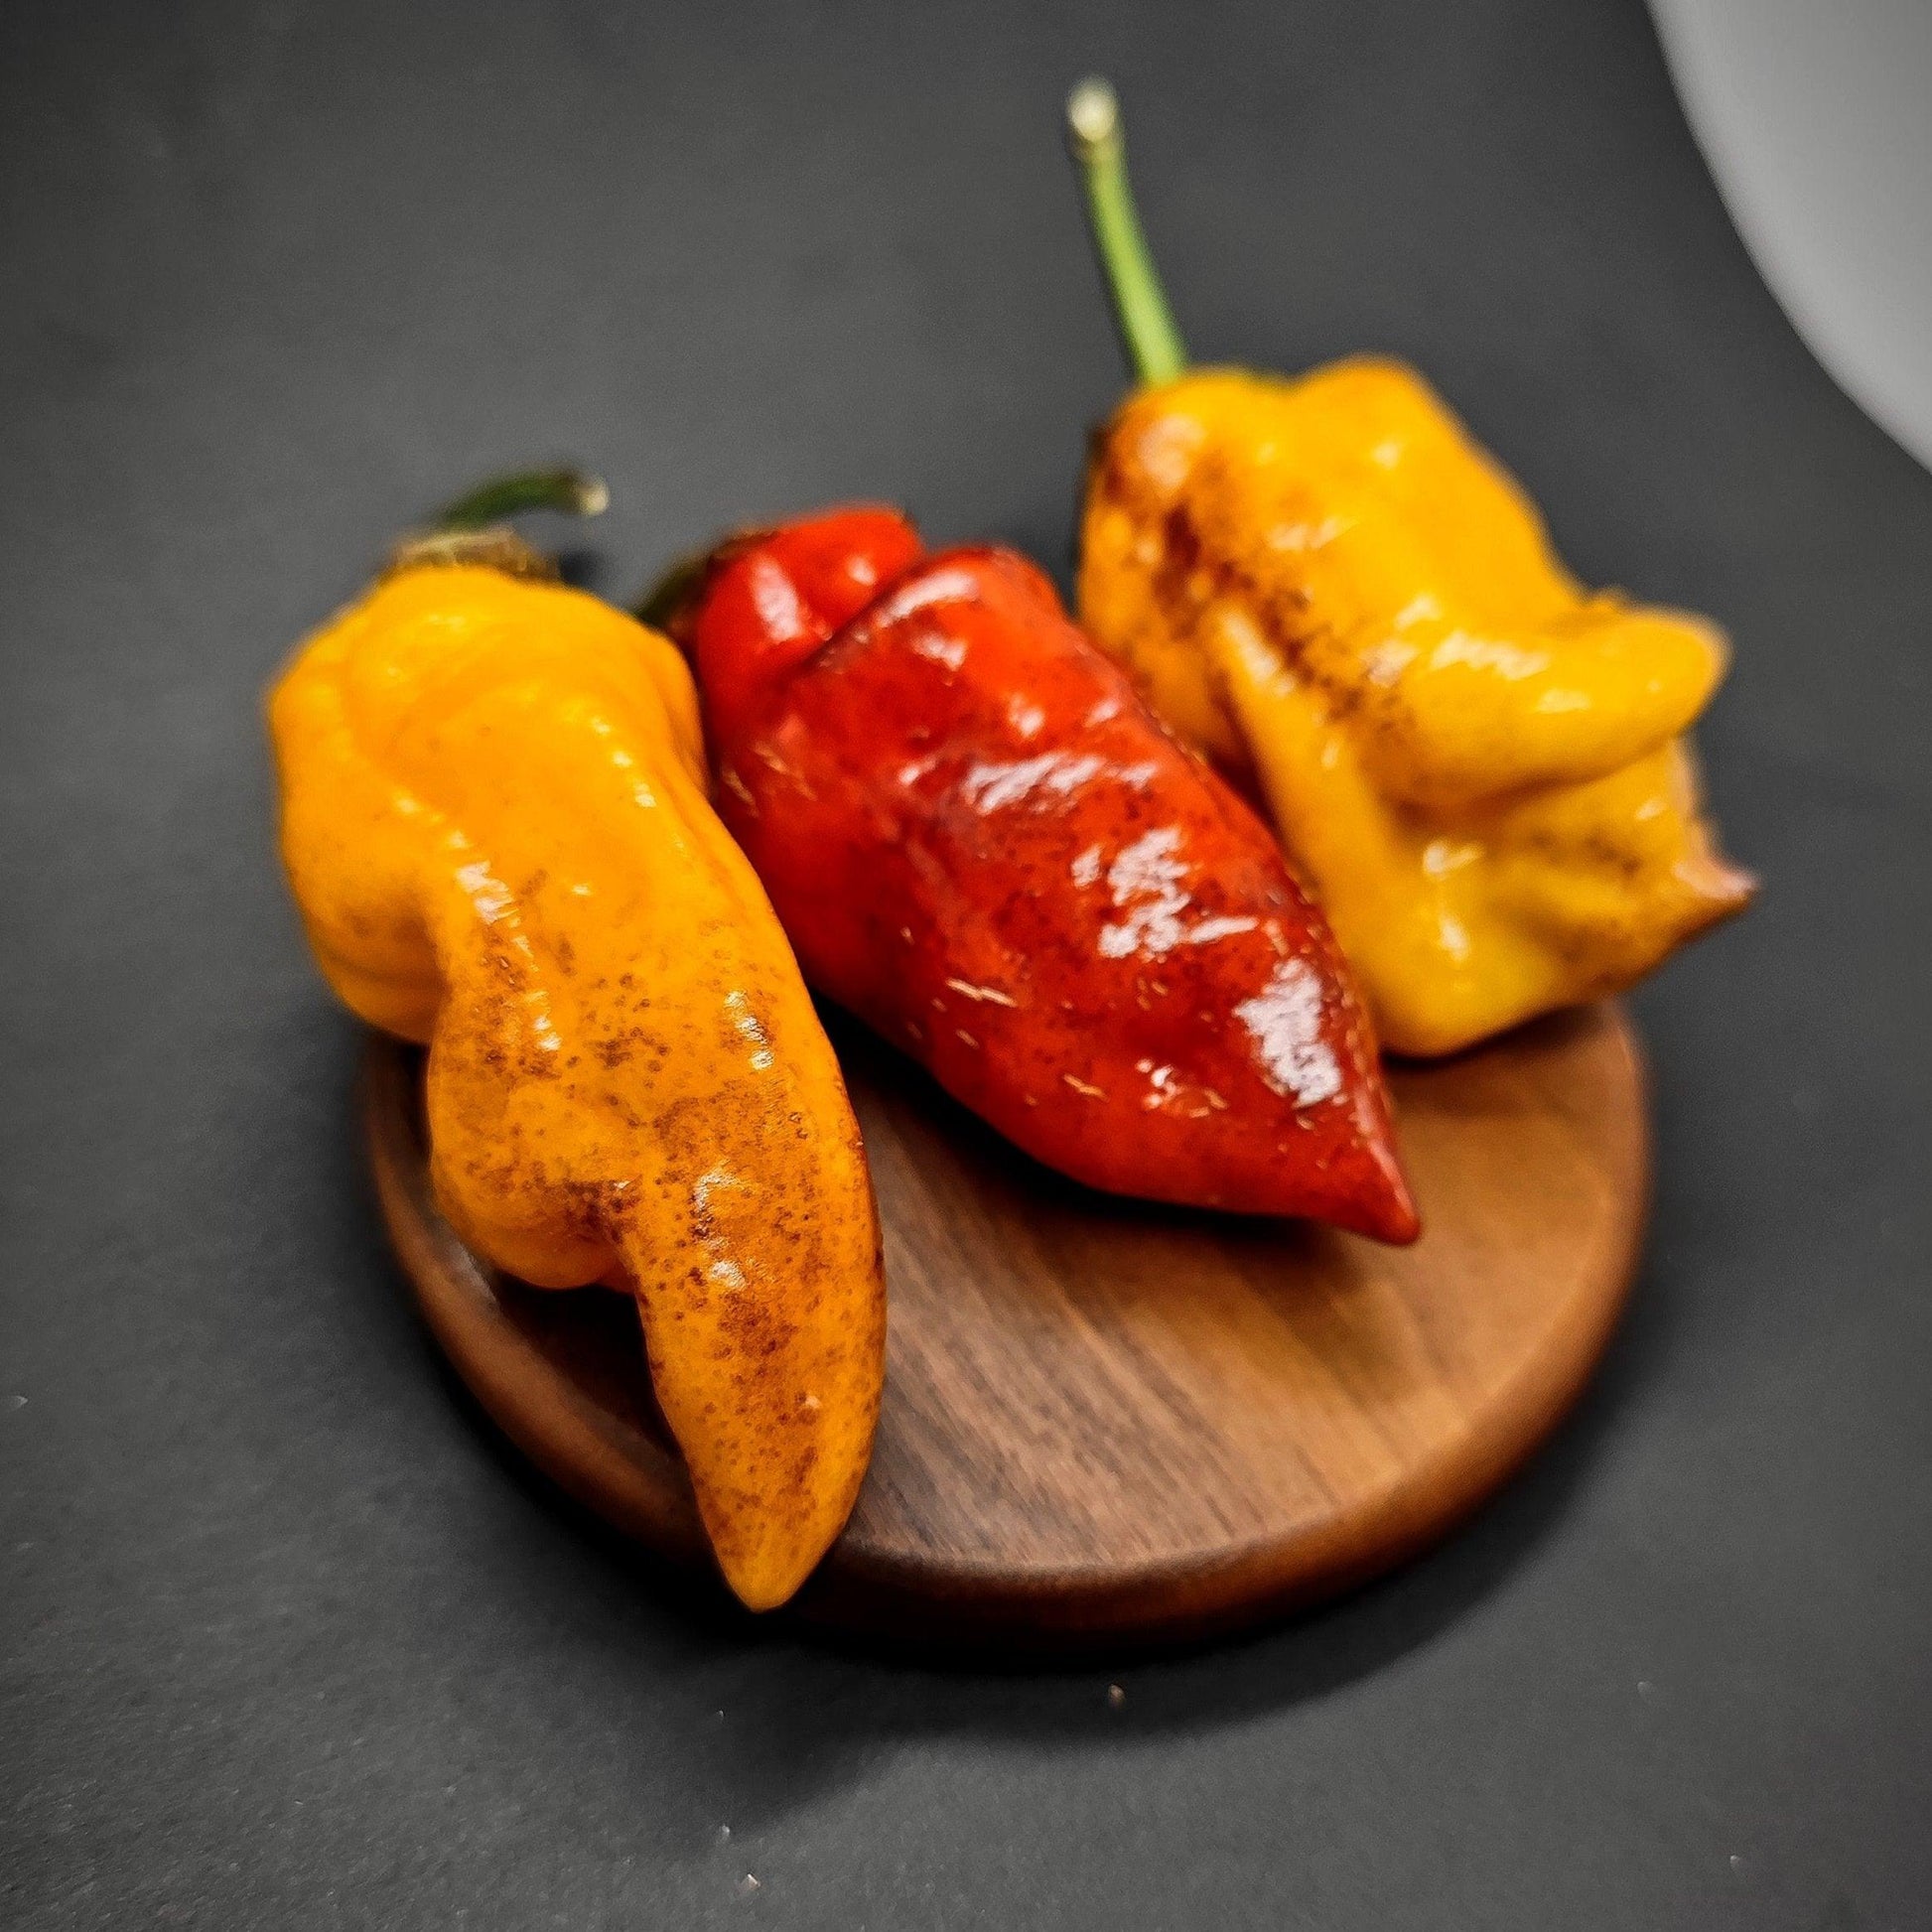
{"points": [[495, 822], [1329, 587]]}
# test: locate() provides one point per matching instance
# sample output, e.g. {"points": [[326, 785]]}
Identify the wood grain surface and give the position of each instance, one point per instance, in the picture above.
{"points": [[1108, 1422]]}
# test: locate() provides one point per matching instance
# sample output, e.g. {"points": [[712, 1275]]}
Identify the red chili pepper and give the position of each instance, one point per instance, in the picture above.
{"points": [[981, 841]]}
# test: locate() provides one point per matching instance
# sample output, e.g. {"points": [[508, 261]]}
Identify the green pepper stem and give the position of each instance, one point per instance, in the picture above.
{"points": [[473, 529], [570, 490], [1147, 326]]}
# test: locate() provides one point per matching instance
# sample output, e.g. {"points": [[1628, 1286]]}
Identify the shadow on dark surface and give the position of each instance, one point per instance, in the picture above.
{"points": [[585, 568], [812, 1706]]}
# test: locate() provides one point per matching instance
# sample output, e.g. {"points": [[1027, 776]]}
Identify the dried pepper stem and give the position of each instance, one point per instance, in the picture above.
{"points": [[1147, 326]]}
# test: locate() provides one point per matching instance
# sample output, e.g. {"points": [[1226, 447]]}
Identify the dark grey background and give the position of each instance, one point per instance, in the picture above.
{"points": [[287, 1641]]}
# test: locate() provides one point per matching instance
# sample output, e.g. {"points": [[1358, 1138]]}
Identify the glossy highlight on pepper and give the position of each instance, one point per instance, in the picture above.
{"points": [[495, 822], [981, 842]]}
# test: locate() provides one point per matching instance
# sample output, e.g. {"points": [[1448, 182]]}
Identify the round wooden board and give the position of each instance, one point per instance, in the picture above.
{"points": [[1106, 1422]]}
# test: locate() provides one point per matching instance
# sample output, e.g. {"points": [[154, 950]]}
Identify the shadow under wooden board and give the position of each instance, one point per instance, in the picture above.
{"points": [[1109, 1423]]}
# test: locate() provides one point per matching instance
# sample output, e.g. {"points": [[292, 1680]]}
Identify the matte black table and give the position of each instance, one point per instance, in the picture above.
{"points": [[288, 1640]]}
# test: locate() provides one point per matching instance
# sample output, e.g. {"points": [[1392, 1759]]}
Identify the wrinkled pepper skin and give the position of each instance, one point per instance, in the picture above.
{"points": [[494, 818], [982, 843], [1327, 588]]}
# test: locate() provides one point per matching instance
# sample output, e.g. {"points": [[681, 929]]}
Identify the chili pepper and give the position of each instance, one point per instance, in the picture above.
{"points": [[1329, 587], [981, 842], [495, 819]]}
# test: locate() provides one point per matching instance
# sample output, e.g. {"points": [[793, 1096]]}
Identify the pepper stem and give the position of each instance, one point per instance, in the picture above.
{"points": [[473, 530], [1147, 326], [571, 490]]}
